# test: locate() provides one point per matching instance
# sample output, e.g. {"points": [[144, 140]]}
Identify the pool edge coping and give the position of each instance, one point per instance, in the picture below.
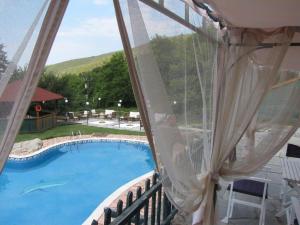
{"points": [[44, 149], [95, 215]]}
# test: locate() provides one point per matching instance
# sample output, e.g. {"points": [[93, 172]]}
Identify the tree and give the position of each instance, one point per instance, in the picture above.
{"points": [[112, 82]]}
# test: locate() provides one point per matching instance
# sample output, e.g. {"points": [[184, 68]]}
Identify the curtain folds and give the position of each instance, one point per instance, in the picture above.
{"points": [[28, 31], [244, 85], [216, 106]]}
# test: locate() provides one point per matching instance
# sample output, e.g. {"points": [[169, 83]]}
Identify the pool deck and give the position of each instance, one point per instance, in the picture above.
{"points": [[113, 123]]}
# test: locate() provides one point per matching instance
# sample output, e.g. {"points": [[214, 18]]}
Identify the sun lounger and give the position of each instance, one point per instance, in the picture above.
{"points": [[94, 113], [85, 114], [134, 116], [109, 114], [72, 116]]}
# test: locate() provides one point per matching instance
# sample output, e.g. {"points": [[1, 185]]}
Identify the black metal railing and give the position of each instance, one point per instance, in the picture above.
{"points": [[151, 207]]}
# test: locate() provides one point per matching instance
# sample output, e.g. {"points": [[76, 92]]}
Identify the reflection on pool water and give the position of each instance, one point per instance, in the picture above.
{"points": [[64, 185]]}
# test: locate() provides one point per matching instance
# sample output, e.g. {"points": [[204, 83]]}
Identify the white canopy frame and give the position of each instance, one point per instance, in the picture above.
{"points": [[246, 67], [12, 115]]}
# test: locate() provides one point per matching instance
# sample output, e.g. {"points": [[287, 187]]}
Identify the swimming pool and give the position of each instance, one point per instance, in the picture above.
{"points": [[66, 183]]}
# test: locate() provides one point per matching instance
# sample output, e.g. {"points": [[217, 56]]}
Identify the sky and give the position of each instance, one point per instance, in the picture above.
{"points": [[89, 28]]}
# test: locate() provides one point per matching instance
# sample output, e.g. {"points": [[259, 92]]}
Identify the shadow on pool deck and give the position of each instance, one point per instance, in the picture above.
{"points": [[242, 215]]}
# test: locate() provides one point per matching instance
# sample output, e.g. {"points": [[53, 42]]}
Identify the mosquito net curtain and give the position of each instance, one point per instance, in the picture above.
{"points": [[216, 104], [27, 32]]}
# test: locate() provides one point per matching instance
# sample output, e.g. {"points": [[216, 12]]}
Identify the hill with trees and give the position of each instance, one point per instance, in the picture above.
{"points": [[77, 66]]}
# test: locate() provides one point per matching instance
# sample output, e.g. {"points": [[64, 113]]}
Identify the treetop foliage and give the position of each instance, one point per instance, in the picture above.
{"points": [[110, 82]]}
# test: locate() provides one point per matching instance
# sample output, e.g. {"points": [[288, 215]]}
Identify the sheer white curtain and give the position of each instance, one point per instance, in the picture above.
{"points": [[27, 32], [203, 91], [243, 85], [175, 75]]}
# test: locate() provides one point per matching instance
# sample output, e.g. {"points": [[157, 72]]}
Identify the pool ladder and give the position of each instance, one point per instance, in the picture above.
{"points": [[74, 135]]}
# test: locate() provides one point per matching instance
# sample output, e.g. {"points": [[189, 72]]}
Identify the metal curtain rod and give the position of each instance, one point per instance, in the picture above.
{"points": [[159, 7], [266, 45]]}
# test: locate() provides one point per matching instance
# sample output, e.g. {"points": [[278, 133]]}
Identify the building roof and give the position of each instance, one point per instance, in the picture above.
{"points": [[40, 94]]}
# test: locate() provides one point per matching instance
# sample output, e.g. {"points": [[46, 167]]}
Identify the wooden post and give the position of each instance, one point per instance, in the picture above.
{"points": [[37, 121]]}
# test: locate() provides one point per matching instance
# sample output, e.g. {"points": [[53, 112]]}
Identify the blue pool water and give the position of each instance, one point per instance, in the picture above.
{"points": [[64, 185]]}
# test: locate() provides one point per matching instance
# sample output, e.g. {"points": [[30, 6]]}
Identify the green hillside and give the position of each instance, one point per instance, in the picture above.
{"points": [[77, 66]]}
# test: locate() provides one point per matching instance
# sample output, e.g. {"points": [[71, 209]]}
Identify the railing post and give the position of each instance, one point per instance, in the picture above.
{"points": [[158, 206], [129, 203], [146, 208], [119, 207], [94, 222], [153, 199], [107, 216], [166, 208], [138, 215]]}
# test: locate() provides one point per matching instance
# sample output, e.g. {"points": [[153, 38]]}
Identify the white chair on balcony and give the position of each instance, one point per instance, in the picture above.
{"points": [[254, 186]]}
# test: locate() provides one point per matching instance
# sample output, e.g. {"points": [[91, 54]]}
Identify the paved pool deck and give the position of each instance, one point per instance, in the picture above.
{"points": [[112, 123]]}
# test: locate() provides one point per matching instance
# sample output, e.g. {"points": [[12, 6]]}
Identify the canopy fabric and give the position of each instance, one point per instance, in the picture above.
{"points": [[262, 14], [40, 94], [27, 32], [220, 103]]}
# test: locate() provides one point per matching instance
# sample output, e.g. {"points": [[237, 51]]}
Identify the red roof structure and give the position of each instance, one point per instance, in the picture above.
{"points": [[40, 94]]}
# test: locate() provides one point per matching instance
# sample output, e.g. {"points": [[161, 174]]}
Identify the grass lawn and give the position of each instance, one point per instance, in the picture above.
{"points": [[66, 130]]}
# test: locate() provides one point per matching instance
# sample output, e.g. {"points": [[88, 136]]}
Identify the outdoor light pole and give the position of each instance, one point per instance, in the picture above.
{"points": [[86, 91], [66, 102], [99, 99], [119, 105], [88, 112]]}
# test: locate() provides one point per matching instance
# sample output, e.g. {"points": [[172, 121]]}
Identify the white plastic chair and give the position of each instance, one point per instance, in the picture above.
{"points": [[253, 186]]}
